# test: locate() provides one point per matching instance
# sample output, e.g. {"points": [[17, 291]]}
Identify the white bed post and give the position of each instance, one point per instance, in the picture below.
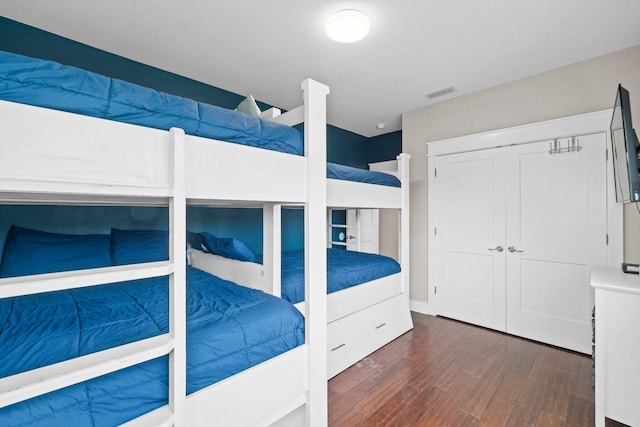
{"points": [[403, 244], [329, 230], [177, 282], [272, 248], [315, 148]]}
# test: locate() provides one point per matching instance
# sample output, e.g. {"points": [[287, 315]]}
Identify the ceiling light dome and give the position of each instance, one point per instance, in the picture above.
{"points": [[347, 26]]}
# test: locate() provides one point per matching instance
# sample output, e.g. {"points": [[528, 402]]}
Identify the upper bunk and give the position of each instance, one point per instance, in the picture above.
{"points": [[80, 113], [349, 187], [70, 131]]}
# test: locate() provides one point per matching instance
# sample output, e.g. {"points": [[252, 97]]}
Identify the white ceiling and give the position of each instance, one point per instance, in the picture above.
{"points": [[415, 47]]}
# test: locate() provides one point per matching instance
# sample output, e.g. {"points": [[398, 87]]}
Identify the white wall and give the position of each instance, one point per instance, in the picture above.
{"points": [[575, 89], [388, 235]]}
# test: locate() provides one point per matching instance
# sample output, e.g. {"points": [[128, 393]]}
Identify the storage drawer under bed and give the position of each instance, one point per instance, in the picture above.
{"points": [[353, 337]]}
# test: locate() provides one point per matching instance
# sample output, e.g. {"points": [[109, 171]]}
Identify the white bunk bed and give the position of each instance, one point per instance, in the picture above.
{"points": [[75, 159], [364, 318], [361, 318]]}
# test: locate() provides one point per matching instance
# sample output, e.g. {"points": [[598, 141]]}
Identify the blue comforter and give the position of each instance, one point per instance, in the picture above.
{"points": [[349, 173], [229, 329], [49, 84], [344, 269]]}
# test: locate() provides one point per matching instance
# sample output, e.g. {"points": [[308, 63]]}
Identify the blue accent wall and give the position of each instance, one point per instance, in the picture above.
{"points": [[384, 147], [343, 147], [346, 148]]}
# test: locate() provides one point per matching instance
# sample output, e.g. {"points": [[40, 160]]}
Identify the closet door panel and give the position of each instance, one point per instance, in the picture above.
{"points": [[470, 277], [556, 229], [554, 289], [368, 230]]}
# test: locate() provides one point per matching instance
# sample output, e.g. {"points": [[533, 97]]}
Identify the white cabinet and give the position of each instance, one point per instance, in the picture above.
{"points": [[515, 231], [617, 346]]}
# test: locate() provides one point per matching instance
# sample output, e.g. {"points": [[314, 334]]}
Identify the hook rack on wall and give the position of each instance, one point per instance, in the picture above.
{"points": [[572, 145]]}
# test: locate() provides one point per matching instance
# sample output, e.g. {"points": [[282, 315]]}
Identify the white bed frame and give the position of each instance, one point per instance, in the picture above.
{"points": [[48, 156], [362, 318]]}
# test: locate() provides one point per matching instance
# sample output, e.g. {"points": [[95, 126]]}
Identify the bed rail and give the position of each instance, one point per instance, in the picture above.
{"points": [[291, 117], [349, 194], [27, 285], [39, 381]]}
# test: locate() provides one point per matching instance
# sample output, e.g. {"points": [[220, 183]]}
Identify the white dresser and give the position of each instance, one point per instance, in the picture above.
{"points": [[617, 351]]}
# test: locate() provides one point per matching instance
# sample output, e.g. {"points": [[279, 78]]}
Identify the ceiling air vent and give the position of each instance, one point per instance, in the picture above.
{"points": [[440, 92]]}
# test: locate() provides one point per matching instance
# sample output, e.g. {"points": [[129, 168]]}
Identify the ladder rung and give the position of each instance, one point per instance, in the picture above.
{"points": [[27, 285], [26, 385]]}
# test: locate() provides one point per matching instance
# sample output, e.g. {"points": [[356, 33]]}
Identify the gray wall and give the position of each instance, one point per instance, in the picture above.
{"points": [[575, 89]]}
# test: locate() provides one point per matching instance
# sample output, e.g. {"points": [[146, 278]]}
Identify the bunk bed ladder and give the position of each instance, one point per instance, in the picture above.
{"points": [[174, 413], [29, 384]]}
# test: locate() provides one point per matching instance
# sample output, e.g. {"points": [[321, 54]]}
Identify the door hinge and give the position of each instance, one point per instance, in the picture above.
{"points": [[435, 172], [435, 290], [435, 231], [607, 238], [606, 154]]}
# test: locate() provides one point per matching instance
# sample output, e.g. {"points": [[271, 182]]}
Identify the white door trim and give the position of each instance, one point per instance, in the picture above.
{"points": [[557, 128]]}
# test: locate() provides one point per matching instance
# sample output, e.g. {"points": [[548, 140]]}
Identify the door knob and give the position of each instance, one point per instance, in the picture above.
{"points": [[513, 249], [497, 248]]}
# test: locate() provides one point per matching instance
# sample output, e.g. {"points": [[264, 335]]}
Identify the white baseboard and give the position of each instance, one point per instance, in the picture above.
{"points": [[422, 307]]}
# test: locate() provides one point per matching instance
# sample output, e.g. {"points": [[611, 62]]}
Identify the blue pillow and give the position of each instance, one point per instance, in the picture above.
{"points": [[227, 247], [29, 252], [137, 246], [195, 240]]}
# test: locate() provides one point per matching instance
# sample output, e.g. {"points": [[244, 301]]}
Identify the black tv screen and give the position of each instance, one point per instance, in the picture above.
{"points": [[625, 149]]}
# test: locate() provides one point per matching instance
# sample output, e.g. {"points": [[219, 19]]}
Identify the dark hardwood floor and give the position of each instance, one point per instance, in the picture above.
{"points": [[448, 373]]}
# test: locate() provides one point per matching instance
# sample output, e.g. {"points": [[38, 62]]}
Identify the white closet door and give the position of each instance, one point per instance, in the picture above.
{"points": [[556, 217], [368, 220], [352, 229], [362, 230], [470, 276]]}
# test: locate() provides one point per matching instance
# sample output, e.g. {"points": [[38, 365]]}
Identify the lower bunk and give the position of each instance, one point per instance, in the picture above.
{"points": [[245, 348], [366, 305]]}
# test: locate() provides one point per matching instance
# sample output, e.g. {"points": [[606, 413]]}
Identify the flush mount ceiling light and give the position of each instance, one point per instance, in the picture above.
{"points": [[347, 26]]}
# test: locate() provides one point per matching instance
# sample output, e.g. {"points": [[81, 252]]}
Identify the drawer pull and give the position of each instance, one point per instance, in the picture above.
{"points": [[338, 347], [380, 325]]}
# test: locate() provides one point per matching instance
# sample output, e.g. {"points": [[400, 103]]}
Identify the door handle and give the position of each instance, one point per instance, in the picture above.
{"points": [[498, 248], [513, 249]]}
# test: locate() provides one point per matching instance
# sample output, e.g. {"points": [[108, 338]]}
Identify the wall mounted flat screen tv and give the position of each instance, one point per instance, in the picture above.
{"points": [[626, 150]]}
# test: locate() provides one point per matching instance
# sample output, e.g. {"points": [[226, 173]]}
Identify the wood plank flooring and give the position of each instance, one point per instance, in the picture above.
{"points": [[448, 373]]}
